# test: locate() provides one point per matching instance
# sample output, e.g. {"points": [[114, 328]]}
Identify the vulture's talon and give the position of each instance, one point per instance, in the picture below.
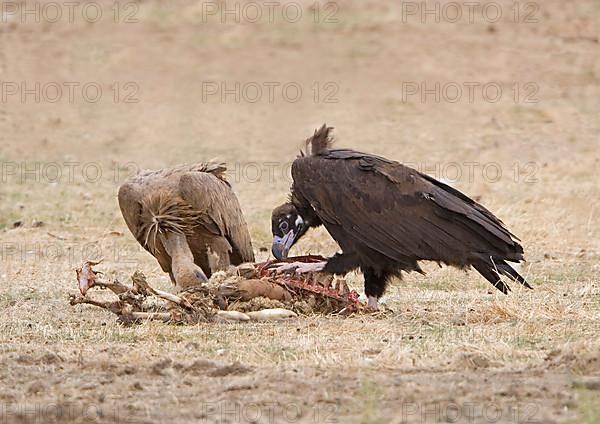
{"points": [[306, 267], [299, 267], [287, 268]]}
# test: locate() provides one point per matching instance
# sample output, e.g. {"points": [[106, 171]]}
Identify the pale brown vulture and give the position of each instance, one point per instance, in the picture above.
{"points": [[386, 217], [189, 219]]}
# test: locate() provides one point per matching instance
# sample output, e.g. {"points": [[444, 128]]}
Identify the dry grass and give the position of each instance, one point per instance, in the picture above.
{"points": [[450, 338]]}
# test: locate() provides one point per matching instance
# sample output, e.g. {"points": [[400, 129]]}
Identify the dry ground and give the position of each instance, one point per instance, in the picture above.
{"points": [[452, 351]]}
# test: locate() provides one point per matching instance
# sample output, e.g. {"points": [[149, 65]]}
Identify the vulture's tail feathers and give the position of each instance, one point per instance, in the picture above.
{"points": [[320, 142], [507, 270], [491, 271]]}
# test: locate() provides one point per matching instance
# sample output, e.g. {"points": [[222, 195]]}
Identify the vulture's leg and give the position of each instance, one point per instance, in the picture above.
{"points": [[375, 282], [340, 263], [185, 272], [299, 267]]}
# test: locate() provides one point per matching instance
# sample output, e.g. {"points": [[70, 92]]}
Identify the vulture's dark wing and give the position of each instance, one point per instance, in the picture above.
{"points": [[219, 210], [402, 214]]}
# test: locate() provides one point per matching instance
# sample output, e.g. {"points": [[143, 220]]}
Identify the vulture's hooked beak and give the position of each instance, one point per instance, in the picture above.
{"points": [[281, 245]]}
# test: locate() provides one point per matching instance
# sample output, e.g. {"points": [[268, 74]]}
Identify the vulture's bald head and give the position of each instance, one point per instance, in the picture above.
{"points": [[287, 227]]}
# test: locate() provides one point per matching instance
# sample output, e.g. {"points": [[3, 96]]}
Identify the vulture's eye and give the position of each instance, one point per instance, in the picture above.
{"points": [[283, 226]]}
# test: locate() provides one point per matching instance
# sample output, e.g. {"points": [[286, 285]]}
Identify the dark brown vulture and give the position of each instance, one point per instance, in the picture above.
{"points": [[386, 217], [189, 219]]}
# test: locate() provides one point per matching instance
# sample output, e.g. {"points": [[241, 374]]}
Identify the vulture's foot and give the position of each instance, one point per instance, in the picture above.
{"points": [[373, 303], [300, 267]]}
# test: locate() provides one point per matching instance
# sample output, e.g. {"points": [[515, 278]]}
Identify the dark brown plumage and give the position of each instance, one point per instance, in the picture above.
{"points": [[189, 218], [386, 217]]}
